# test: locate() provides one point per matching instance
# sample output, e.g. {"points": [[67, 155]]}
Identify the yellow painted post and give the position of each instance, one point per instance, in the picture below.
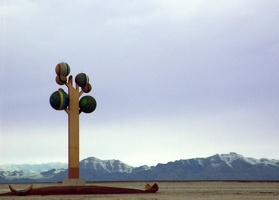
{"points": [[73, 129], [60, 100]]}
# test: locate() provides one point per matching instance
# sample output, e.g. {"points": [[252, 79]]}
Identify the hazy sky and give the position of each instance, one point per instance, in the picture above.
{"points": [[172, 79]]}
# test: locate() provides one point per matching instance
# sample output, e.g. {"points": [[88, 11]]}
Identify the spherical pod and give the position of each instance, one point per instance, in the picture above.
{"points": [[87, 88], [81, 79], [87, 104], [59, 100], [61, 80], [62, 69]]}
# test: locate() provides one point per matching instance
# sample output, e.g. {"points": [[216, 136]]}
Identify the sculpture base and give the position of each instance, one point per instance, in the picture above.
{"points": [[79, 190], [74, 182]]}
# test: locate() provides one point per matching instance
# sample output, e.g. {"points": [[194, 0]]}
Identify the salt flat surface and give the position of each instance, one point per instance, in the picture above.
{"points": [[170, 191]]}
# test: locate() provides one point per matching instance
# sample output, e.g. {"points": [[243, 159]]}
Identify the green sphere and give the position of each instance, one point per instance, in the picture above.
{"points": [[87, 104], [59, 100]]}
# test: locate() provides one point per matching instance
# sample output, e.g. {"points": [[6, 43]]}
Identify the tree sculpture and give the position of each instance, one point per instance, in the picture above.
{"points": [[73, 105]]}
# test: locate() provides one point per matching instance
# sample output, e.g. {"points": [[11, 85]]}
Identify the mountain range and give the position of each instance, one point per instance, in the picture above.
{"points": [[230, 166]]}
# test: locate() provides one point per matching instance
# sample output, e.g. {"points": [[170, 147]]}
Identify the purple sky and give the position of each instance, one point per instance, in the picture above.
{"points": [[172, 79]]}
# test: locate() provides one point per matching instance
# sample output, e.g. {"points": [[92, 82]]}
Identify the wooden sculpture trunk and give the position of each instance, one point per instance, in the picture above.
{"points": [[60, 100], [73, 130]]}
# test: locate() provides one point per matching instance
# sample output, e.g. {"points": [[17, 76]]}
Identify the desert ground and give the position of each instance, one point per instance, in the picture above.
{"points": [[215, 190]]}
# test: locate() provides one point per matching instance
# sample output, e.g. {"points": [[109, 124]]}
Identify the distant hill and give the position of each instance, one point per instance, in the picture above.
{"points": [[33, 167], [230, 166]]}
